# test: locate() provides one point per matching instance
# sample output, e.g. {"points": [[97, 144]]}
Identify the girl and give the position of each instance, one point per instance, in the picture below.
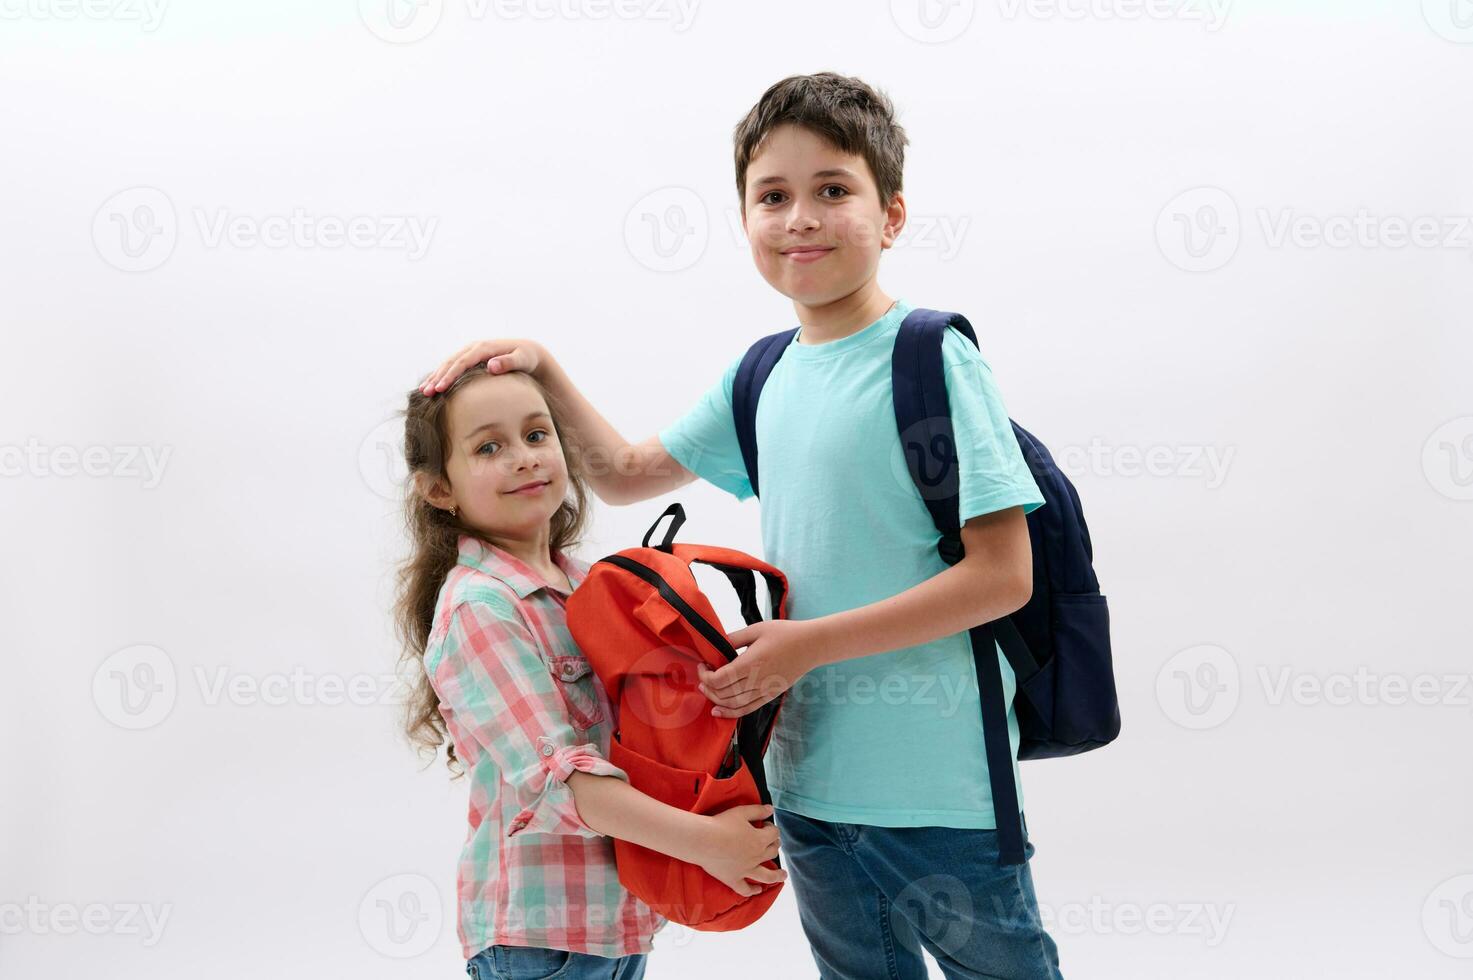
{"points": [[496, 499]]}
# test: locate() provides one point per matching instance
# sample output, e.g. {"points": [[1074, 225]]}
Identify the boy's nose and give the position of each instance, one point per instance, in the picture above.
{"points": [[802, 220]]}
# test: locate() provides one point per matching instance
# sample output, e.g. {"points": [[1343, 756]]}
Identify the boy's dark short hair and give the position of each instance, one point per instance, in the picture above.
{"points": [[850, 115]]}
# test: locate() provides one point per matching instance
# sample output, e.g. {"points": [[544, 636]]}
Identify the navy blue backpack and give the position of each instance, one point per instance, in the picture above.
{"points": [[1058, 645]]}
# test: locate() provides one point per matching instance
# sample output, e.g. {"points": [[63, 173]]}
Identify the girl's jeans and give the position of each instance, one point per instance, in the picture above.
{"points": [[871, 897], [532, 963]]}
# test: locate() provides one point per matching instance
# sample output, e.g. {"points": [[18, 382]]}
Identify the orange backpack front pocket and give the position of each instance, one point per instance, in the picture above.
{"points": [[680, 891]]}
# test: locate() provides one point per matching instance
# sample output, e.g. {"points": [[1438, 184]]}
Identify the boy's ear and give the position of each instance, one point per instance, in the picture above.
{"points": [[894, 221], [433, 491]]}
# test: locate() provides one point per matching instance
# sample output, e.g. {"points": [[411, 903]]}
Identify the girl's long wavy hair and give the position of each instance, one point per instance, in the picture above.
{"points": [[434, 547]]}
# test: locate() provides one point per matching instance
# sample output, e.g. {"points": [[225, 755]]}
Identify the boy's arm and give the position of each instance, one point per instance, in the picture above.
{"points": [[618, 471], [994, 579]]}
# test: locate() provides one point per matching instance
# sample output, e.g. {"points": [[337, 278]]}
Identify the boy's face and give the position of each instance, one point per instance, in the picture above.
{"points": [[502, 439], [813, 217]]}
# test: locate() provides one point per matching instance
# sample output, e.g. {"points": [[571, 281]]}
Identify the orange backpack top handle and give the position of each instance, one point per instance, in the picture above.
{"points": [[645, 625]]}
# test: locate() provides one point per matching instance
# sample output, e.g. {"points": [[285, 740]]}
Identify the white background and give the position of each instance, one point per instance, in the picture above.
{"points": [[1065, 151]]}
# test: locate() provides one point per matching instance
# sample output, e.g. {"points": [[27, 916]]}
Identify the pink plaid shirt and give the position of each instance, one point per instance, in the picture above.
{"points": [[525, 711]]}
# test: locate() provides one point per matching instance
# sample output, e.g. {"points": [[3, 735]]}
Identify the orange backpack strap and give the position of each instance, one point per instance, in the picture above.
{"points": [[741, 570]]}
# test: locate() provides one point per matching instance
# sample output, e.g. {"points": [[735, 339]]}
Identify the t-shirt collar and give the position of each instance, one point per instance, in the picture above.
{"points": [[890, 318]]}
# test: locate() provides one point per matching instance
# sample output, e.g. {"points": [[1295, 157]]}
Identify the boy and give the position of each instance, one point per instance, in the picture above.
{"points": [[877, 765]]}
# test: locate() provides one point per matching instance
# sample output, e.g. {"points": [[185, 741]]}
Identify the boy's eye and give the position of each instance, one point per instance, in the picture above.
{"points": [[767, 198], [843, 191]]}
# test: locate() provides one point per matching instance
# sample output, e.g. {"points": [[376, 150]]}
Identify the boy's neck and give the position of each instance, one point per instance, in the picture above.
{"points": [[842, 317]]}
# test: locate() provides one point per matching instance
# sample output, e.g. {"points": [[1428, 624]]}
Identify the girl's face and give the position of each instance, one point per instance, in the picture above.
{"points": [[813, 217], [505, 465]]}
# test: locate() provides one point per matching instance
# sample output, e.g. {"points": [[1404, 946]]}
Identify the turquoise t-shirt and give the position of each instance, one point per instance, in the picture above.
{"points": [[893, 739]]}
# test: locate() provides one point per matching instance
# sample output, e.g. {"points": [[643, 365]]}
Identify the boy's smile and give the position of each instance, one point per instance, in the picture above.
{"points": [[807, 253]]}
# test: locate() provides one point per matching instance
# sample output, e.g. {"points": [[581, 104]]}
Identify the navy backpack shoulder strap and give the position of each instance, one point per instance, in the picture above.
{"points": [[923, 418], [746, 388]]}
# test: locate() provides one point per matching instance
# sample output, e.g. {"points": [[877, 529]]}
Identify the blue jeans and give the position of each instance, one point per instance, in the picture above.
{"points": [[534, 963], [870, 897]]}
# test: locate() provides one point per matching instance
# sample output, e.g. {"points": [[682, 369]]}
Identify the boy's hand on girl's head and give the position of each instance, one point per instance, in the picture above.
{"points": [[499, 356], [737, 850], [778, 652]]}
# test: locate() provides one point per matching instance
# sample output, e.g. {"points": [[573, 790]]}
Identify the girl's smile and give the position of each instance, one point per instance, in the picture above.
{"points": [[528, 489]]}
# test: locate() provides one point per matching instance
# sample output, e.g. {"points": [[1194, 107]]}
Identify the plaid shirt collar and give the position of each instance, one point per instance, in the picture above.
{"points": [[523, 578]]}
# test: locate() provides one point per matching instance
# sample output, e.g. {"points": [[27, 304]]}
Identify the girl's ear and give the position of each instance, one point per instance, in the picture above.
{"points": [[433, 490]]}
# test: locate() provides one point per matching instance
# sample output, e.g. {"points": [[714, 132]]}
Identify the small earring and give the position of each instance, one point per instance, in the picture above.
{"points": [[452, 511]]}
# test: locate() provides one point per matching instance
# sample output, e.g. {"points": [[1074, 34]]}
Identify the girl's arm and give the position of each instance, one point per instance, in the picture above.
{"points": [[726, 846], [491, 676]]}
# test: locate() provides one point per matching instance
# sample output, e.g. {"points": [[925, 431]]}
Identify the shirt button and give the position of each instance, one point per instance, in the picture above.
{"points": [[547, 750]]}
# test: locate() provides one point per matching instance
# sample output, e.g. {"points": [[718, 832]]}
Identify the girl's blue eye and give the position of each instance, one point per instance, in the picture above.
{"points": [[537, 432], [481, 450]]}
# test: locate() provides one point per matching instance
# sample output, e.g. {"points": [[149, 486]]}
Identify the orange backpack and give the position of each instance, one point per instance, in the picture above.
{"points": [[644, 625]]}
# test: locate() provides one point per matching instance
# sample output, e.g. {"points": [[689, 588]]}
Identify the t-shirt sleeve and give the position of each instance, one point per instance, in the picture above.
{"points": [[704, 440], [992, 472]]}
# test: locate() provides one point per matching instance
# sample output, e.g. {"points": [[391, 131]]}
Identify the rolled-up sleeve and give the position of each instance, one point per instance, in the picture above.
{"points": [[501, 692]]}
